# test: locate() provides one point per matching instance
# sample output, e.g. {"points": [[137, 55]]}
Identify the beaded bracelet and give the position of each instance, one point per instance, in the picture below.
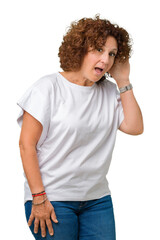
{"points": [[38, 194], [40, 202]]}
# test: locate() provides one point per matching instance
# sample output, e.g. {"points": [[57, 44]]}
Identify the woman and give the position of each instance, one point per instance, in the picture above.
{"points": [[70, 120]]}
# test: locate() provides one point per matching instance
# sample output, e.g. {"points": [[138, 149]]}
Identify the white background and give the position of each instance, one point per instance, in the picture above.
{"points": [[31, 33]]}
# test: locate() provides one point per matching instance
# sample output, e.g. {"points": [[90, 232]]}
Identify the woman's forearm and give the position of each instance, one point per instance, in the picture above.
{"points": [[133, 120], [132, 113], [31, 167]]}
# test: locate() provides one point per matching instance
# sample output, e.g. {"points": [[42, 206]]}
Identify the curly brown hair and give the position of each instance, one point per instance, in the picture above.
{"points": [[88, 32]]}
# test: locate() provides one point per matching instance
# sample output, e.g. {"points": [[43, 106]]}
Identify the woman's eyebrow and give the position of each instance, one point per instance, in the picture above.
{"points": [[115, 49]]}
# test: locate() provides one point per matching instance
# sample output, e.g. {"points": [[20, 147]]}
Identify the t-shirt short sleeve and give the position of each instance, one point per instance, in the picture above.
{"points": [[36, 101], [119, 108]]}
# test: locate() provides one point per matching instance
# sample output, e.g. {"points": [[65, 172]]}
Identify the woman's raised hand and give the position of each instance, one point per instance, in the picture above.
{"points": [[120, 72]]}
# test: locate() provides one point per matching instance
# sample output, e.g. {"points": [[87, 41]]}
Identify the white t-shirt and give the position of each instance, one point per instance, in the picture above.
{"points": [[78, 137]]}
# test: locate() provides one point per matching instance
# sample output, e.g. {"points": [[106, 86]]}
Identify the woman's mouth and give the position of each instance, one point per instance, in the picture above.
{"points": [[98, 70]]}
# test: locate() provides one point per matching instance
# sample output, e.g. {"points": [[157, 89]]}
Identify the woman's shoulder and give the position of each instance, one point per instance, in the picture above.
{"points": [[46, 81], [45, 84]]}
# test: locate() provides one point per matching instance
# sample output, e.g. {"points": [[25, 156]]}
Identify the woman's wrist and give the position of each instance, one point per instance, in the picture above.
{"points": [[123, 83], [39, 193], [38, 199]]}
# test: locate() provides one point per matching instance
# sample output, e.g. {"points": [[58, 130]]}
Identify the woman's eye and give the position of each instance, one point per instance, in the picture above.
{"points": [[112, 54], [100, 50]]}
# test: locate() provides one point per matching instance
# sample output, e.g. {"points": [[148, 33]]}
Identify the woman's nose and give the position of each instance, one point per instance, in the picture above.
{"points": [[105, 58]]}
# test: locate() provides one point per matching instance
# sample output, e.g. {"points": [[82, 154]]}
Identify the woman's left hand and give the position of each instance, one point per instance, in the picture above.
{"points": [[120, 72]]}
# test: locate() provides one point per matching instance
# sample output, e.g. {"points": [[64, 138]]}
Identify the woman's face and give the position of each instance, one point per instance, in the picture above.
{"points": [[98, 61]]}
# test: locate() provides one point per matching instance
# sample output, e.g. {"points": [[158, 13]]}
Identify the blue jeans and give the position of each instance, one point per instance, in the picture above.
{"points": [[80, 220]]}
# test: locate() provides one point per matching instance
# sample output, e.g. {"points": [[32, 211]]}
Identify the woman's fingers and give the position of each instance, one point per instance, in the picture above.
{"points": [[36, 225], [53, 216], [49, 225], [43, 218], [31, 218], [43, 228]]}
